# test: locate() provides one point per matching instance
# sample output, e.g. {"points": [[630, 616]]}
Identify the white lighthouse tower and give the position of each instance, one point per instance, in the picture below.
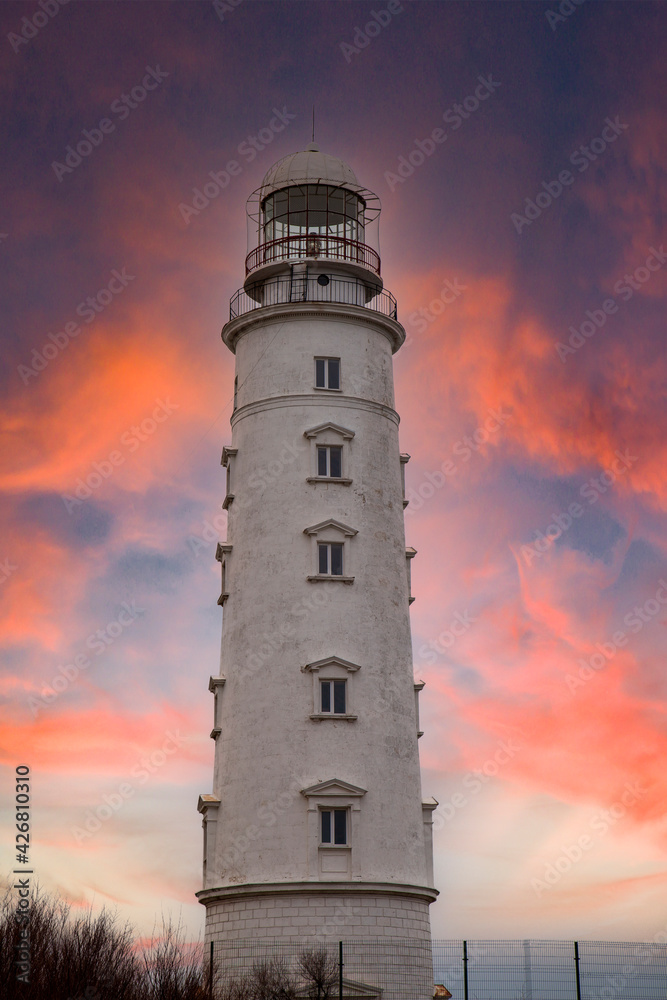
{"points": [[316, 829]]}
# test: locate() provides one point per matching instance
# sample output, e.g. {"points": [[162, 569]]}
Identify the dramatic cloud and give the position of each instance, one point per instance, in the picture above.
{"points": [[531, 390]]}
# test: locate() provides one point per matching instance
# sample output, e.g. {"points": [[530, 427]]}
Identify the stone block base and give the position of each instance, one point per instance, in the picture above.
{"points": [[386, 934]]}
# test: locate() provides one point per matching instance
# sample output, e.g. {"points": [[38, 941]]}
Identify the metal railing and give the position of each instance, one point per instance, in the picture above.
{"points": [[551, 970], [313, 245], [405, 969], [296, 288]]}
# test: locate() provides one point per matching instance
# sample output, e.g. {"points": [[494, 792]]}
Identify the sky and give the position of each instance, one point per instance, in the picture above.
{"points": [[518, 152]]}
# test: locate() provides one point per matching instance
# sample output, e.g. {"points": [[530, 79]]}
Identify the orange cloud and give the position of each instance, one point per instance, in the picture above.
{"points": [[99, 740]]}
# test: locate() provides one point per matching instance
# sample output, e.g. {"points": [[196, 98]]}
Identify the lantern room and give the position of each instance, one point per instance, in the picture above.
{"points": [[311, 210]]}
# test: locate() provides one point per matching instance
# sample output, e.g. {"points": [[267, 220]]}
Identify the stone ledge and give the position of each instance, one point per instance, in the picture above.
{"points": [[316, 888], [341, 311], [306, 399]]}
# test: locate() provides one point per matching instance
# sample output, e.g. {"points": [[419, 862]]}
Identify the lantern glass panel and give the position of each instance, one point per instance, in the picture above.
{"points": [[297, 200], [317, 199]]}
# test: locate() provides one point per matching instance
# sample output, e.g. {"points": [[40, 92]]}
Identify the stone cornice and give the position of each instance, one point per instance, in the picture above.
{"points": [[329, 661], [238, 327], [333, 786], [344, 432], [331, 522], [349, 888], [313, 399]]}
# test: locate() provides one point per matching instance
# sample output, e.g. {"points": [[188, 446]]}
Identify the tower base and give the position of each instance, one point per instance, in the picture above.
{"points": [[384, 928]]}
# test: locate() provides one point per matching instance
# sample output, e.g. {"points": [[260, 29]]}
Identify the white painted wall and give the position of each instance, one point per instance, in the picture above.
{"points": [[275, 621]]}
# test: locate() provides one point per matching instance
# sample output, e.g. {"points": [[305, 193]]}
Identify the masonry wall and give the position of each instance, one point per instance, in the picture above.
{"points": [[276, 621], [313, 915], [386, 939]]}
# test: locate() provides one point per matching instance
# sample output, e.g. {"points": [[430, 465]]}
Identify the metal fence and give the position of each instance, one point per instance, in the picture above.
{"points": [[313, 245], [283, 289], [371, 969], [400, 969], [551, 970]]}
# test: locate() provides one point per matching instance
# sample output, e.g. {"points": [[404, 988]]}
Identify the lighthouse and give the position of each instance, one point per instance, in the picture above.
{"points": [[316, 830]]}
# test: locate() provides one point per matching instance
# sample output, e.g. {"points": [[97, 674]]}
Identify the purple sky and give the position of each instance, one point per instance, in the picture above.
{"points": [[525, 253]]}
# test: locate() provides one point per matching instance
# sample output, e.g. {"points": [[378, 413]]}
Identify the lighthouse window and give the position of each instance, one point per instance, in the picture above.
{"points": [[330, 556], [331, 212], [333, 697], [330, 461], [327, 373], [334, 374], [334, 826]]}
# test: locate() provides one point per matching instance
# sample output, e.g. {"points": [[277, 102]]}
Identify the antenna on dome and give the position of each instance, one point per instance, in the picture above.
{"points": [[313, 139]]}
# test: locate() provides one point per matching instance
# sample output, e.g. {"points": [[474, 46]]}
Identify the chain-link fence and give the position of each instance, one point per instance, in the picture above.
{"points": [[551, 970], [406, 969]]}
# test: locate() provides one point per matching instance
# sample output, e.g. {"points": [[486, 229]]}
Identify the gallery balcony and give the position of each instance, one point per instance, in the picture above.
{"points": [[282, 289], [304, 246]]}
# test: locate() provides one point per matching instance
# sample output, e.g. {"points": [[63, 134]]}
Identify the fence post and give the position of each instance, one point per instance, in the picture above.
{"points": [[576, 966], [527, 972], [210, 972], [465, 970], [340, 970]]}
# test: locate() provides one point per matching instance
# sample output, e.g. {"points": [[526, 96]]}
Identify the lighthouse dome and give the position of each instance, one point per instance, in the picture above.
{"points": [[310, 166], [306, 195]]}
